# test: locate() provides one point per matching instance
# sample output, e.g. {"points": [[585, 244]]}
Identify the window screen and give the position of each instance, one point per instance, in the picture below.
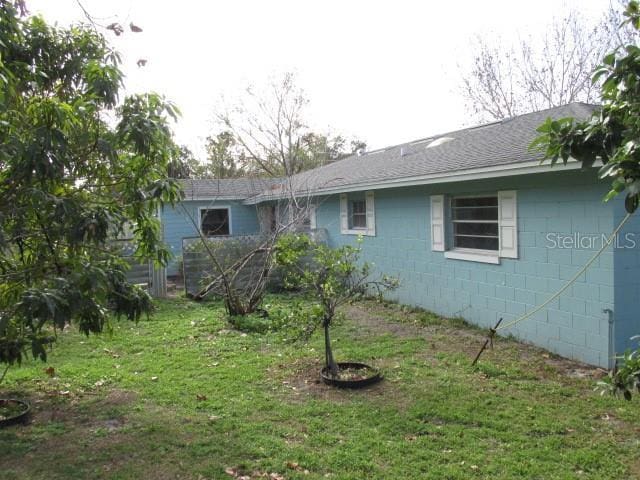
{"points": [[475, 223], [358, 214]]}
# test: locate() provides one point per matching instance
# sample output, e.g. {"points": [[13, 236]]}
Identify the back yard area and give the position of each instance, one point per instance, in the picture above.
{"points": [[185, 395]]}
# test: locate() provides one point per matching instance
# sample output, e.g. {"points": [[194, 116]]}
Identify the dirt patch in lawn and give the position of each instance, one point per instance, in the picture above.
{"points": [[372, 318], [303, 383], [120, 397], [100, 425]]}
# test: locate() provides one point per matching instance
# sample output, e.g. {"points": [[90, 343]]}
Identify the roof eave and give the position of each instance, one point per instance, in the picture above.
{"points": [[215, 198], [522, 168]]}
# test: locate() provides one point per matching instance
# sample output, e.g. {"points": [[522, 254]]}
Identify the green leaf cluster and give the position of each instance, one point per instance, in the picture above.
{"points": [[334, 276], [624, 380]]}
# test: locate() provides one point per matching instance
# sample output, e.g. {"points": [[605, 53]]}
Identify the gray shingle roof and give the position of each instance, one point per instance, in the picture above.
{"points": [[495, 144], [226, 188]]}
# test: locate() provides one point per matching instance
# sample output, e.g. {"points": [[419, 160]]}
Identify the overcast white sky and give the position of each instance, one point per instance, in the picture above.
{"points": [[384, 71]]}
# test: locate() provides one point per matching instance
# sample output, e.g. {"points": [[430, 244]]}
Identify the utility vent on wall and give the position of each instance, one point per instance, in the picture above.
{"points": [[439, 141]]}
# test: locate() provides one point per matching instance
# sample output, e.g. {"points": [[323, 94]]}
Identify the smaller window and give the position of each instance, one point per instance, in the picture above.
{"points": [[358, 215], [214, 221], [475, 223]]}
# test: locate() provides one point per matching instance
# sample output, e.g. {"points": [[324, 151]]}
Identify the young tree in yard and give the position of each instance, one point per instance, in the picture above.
{"points": [[535, 74], [611, 136], [271, 135], [70, 181], [334, 276]]}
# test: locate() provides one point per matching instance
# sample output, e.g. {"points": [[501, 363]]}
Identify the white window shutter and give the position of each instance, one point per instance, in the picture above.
{"points": [[371, 215], [437, 223], [508, 223], [312, 217], [344, 213]]}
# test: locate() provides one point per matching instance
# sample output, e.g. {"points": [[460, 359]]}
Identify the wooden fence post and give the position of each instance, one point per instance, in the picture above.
{"points": [[158, 277]]}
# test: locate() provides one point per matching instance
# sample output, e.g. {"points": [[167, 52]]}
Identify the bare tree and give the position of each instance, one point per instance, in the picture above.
{"points": [[241, 275], [535, 74], [271, 134]]}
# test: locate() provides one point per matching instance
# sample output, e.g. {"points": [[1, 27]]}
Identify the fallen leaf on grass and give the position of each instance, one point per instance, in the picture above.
{"points": [[201, 398], [50, 371], [233, 472]]}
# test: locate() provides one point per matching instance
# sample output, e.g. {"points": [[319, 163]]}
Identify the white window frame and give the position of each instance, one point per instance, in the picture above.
{"points": [[507, 225], [313, 220], [370, 228], [216, 207]]}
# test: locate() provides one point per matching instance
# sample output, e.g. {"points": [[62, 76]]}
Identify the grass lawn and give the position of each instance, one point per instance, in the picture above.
{"points": [[183, 395]]}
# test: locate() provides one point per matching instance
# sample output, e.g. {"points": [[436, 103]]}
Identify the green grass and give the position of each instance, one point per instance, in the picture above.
{"points": [[184, 395]]}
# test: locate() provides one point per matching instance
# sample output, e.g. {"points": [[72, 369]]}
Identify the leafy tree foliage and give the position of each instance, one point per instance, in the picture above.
{"points": [[77, 166], [183, 164], [224, 159], [318, 149]]}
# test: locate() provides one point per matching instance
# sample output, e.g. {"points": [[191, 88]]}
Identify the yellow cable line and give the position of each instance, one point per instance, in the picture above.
{"points": [[571, 281]]}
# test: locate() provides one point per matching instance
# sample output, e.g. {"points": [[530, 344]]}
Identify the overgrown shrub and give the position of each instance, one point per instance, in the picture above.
{"points": [[295, 320]]}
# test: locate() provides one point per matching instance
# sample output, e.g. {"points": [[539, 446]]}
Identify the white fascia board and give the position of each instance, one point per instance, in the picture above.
{"points": [[213, 199]]}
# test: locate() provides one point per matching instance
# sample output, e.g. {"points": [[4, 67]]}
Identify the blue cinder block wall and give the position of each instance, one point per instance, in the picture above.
{"points": [[550, 204], [177, 225], [626, 289]]}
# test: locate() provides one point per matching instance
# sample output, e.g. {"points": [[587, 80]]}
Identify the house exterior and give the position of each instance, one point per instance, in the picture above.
{"points": [[218, 208], [474, 226]]}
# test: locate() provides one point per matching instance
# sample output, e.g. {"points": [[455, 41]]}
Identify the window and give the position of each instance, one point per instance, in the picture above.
{"points": [[481, 228], [475, 223], [358, 214], [214, 221]]}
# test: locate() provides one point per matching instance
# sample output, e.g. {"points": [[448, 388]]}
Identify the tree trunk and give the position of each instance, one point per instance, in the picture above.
{"points": [[328, 354]]}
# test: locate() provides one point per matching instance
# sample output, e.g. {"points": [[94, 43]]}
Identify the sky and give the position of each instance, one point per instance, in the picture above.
{"points": [[382, 71]]}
